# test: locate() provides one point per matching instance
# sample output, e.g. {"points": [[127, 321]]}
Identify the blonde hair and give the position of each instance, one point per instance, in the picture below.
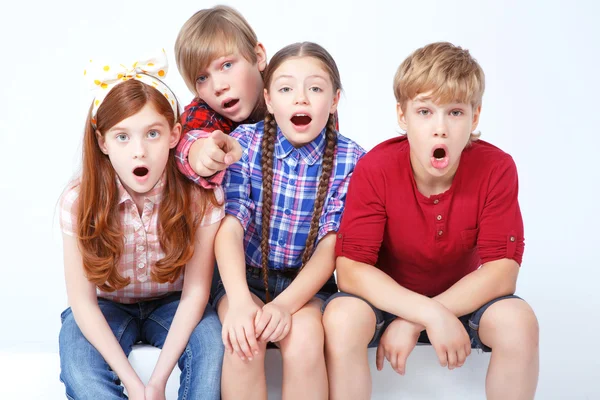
{"points": [[208, 35], [447, 71]]}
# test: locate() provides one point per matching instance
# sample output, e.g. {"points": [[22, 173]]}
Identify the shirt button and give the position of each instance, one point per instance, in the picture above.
{"points": [[287, 211], [439, 217], [140, 248], [141, 265], [440, 233], [281, 242], [292, 182], [512, 239], [436, 201], [142, 278]]}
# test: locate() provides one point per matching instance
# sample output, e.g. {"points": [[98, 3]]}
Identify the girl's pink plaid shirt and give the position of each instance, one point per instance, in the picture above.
{"points": [[141, 248]]}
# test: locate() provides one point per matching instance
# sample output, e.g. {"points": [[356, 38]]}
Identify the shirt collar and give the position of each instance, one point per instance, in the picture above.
{"points": [[310, 152], [155, 194]]}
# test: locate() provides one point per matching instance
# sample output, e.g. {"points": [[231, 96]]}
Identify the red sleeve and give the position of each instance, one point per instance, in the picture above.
{"points": [[501, 225], [363, 223]]}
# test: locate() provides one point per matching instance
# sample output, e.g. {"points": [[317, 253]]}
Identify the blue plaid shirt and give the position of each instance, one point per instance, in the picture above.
{"points": [[296, 173]]}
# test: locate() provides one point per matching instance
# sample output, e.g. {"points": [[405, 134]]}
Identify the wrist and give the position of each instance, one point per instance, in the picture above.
{"points": [[432, 314], [158, 383]]}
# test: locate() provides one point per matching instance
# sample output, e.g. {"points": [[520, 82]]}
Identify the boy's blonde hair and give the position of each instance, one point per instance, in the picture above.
{"points": [[447, 71], [209, 34]]}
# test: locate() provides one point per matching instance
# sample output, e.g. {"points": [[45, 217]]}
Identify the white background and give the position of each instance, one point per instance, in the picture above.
{"points": [[540, 105]]}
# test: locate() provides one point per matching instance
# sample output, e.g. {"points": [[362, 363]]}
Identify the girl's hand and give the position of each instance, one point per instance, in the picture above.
{"points": [[449, 338], [273, 323], [238, 330]]}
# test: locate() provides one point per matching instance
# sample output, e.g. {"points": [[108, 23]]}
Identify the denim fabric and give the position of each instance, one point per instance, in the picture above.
{"points": [[469, 321], [87, 376]]}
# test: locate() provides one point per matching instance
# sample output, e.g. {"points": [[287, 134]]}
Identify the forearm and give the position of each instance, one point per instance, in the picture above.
{"points": [[229, 245], [378, 288], [96, 330], [188, 315], [494, 279], [312, 277]]}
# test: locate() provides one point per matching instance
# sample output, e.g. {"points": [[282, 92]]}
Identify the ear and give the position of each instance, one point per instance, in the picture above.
{"points": [[268, 101], [175, 135], [401, 117], [261, 56], [476, 114], [101, 142], [336, 100]]}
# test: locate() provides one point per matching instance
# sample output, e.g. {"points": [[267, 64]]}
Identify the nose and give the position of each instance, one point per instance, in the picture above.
{"points": [[139, 149], [300, 98], [220, 86], [441, 128]]}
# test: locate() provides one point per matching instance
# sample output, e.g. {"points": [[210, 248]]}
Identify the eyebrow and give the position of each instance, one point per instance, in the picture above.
{"points": [[293, 77], [156, 124]]}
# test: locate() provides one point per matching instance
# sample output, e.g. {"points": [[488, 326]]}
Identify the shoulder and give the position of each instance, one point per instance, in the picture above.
{"points": [[70, 196], [385, 156], [487, 159], [348, 148], [68, 206], [249, 133]]}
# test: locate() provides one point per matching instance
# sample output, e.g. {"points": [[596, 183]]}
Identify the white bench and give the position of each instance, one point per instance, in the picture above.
{"points": [[26, 376]]}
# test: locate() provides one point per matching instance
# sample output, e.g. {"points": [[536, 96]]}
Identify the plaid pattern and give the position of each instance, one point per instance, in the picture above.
{"points": [[198, 120], [141, 247], [295, 181]]}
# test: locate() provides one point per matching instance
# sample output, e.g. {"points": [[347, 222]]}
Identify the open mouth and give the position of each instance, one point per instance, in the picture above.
{"points": [[439, 153], [140, 171], [301, 119], [230, 103]]}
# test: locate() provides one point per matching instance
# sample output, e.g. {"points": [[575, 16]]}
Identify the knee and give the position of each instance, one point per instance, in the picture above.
{"points": [[513, 327], [349, 323], [304, 345], [238, 366]]}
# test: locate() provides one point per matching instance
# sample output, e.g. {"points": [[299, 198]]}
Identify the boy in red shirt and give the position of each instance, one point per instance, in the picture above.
{"points": [[432, 240]]}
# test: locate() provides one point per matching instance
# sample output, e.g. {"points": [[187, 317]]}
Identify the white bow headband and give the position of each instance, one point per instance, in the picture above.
{"points": [[103, 77]]}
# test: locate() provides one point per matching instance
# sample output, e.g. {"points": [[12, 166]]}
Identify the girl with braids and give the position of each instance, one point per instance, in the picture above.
{"points": [[275, 249], [138, 247]]}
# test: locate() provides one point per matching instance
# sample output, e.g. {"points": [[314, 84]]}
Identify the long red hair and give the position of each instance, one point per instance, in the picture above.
{"points": [[99, 230]]}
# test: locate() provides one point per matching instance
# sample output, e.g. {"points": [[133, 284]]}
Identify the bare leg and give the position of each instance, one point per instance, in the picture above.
{"points": [[511, 329], [349, 327], [302, 350], [242, 380]]}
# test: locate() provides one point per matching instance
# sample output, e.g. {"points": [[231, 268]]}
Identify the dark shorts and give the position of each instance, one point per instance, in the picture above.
{"points": [[469, 321], [278, 282]]}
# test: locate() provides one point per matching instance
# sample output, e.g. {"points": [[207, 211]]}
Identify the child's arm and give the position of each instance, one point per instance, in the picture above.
{"points": [[357, 247], [198, 121], [238, 324], [91, 321], [499, 242], [194, 297]]}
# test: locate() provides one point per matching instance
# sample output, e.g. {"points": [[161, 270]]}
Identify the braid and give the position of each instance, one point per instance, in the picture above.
{"points": [[267, 147], [326, 167]]}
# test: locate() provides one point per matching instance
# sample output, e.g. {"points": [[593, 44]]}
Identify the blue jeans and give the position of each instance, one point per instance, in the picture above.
{"points": [[87, 376]]}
